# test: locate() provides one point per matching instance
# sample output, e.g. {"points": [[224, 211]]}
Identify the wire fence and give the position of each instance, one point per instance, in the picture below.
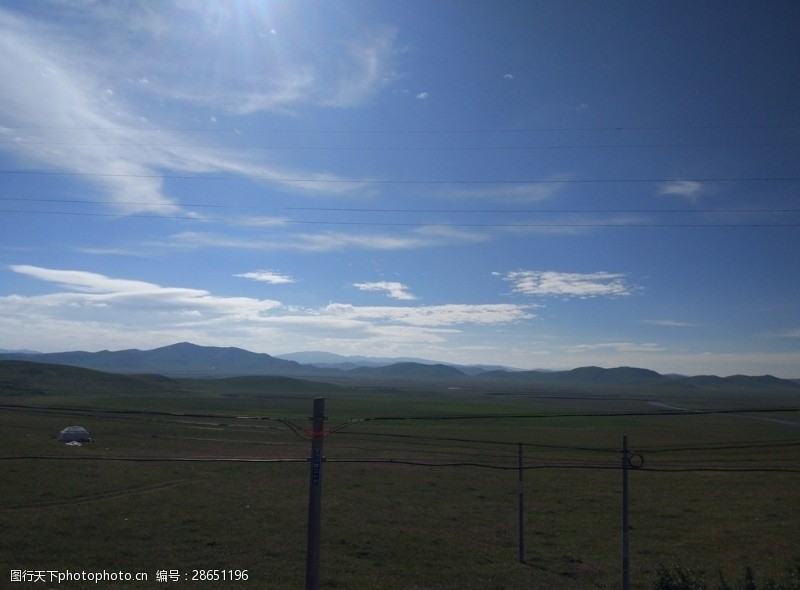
{"points": [[357, 442], [443, 451]]}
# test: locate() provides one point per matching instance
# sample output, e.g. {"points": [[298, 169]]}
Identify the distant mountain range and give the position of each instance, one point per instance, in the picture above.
{"points": [[177, 360], [330, 360], [190, 360]]}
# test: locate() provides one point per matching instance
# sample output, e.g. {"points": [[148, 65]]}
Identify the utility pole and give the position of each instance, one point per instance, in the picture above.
{"points": [[521, 509], [626, 565], [315, 496]]}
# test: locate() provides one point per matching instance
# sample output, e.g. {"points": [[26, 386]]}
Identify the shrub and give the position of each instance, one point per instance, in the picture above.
{"points": [[677, 577], [791, 581]]}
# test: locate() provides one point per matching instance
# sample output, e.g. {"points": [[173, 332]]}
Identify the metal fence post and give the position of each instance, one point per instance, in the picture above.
{"points": [[521, 510], [625, 517], [315, 496]]}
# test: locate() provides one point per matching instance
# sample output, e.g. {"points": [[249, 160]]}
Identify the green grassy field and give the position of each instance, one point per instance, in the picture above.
{"points": [[424, 497]]}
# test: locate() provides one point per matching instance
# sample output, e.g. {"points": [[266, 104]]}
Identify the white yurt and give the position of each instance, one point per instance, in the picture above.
{"points": [[74, 433]]}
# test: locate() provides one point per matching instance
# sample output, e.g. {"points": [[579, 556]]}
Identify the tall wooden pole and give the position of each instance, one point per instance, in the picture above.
{"points": [[521, 509], [626, 565], [315, 496]]}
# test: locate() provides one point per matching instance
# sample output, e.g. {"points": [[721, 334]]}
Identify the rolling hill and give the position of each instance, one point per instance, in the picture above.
{"points": [[25, 378], [184, 360]]}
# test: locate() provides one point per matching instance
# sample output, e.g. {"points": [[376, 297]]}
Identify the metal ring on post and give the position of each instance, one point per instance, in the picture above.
{"points": [[635, 460]]}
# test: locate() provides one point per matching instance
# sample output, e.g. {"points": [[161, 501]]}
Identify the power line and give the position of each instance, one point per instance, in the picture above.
{"points": [[614, 128], [404, 181], [677, 412], [724, 447], [744, 445], [422, 417], [439, 439], [720, 469], [129, 414], [154, 459], [425, 148], [693, 211], [611, 466], [413, 224], [514, 211], [413, 210], [471, 464]]}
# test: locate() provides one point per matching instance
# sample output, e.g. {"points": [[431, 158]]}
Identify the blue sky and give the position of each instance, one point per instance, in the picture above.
{"points": [[535, 184]]}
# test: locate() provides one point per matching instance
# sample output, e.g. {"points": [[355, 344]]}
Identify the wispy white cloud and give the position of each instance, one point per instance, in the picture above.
{"points": [[241, 57], [436, 315], [111, 251], [130, 302], [267, 276], [616, 347], [367, 68], [423, 95], [328, 241], [788, 334], [567, 284], [45, 93], [393, 289], [61, 112], [671, 323], [525, 192], [351, 74], [444, 234], [262, 221], [89, 282], [286, 89], [86, 307], [572, 223], [688, 189]]}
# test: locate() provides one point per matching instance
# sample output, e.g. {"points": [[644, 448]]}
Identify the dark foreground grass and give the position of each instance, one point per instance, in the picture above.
{"points": [[408, 504]]}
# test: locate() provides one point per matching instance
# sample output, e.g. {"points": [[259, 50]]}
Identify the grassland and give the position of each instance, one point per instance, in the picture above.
{"points": [[180, 478]]}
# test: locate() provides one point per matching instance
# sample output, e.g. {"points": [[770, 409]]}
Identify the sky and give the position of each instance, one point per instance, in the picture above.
{"points": [[526, 183]]}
